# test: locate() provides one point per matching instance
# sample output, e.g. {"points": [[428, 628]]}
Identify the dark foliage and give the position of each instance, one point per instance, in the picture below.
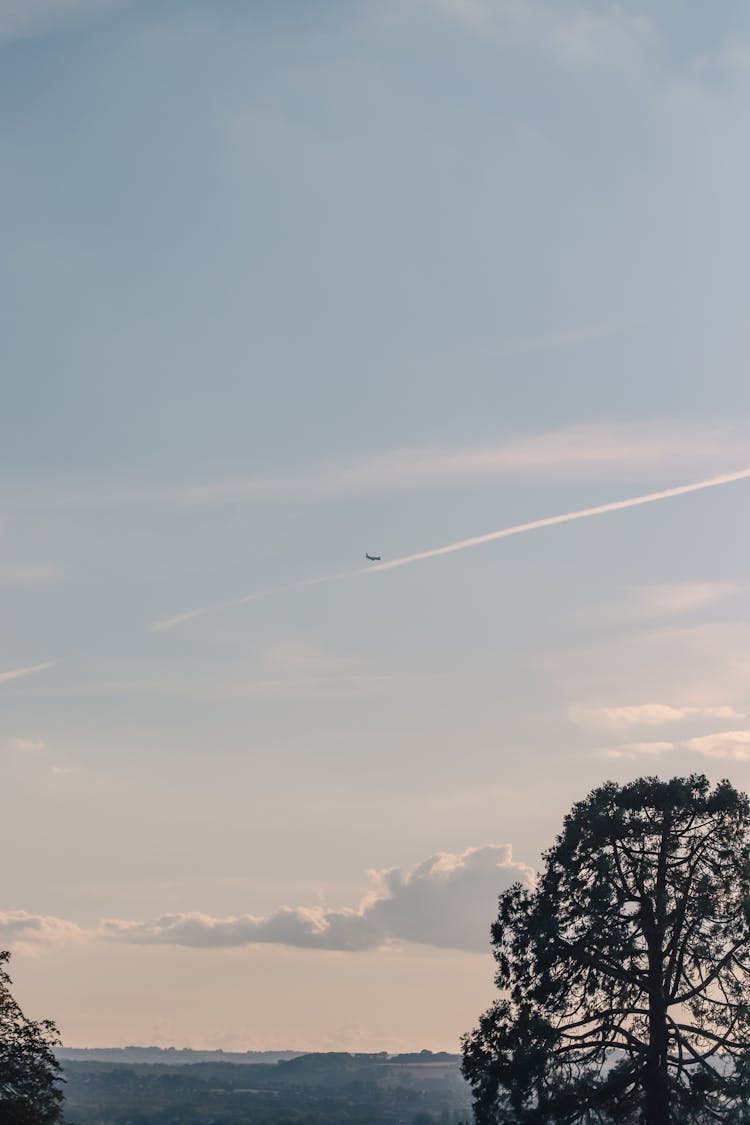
{"points": [[625, 973], [29, 1073]]}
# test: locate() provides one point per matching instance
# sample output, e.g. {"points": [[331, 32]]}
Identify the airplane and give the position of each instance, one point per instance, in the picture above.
{"points": [[372, 558]]}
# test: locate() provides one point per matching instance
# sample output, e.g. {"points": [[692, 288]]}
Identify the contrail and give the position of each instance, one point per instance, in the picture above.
{"points": [[17, 673], [568, 517], [474, 541], [232, 603]]}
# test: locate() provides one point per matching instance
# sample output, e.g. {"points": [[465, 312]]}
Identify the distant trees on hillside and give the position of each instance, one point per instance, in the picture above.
{"points": [[626, 973], [29, 1072]]}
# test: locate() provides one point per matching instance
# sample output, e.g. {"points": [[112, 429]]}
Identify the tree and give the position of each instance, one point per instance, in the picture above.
{"points": [[625, 972], [29, 1072]]}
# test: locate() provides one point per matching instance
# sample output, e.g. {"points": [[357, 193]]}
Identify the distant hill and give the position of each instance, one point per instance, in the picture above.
{"points": [[185, 1056], [170, 1056]]}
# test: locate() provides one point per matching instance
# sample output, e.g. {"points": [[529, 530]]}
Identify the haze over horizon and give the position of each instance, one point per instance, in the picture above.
{"points": [[286, 284]]}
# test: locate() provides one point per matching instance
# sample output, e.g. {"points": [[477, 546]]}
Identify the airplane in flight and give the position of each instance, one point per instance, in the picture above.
{"points": [[372, 558]]}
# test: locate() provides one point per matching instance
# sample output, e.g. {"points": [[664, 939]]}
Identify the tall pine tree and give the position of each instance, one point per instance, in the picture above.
{"points": [[626, 973]]}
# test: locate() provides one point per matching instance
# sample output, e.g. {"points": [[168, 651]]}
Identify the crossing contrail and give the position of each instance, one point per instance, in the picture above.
{"points": [[473, 541]]}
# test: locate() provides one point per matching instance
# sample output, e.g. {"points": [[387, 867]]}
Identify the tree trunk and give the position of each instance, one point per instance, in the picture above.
{"points": [[656, 1078]]}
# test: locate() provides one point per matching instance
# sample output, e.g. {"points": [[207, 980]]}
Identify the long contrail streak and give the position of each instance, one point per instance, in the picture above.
{"points": [[475, 541], [568, 517]]}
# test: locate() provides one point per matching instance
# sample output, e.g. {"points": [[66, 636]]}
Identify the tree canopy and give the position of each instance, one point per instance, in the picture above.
{"points": [[29, 1072], [625, 972]]}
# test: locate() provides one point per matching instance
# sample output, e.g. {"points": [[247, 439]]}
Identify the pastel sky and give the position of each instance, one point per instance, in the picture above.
{"points": [[287, 282]]}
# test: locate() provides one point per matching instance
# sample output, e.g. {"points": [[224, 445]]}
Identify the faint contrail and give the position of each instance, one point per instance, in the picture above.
{"points": [[568, 517], [17, 673], [474, 541], [232, 603]]}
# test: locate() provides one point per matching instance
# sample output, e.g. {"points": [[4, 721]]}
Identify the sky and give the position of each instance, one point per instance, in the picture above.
{"points": [[283, 284]]}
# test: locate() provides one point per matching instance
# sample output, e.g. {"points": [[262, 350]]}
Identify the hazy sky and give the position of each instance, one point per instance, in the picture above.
{"points": [[285, 282]]}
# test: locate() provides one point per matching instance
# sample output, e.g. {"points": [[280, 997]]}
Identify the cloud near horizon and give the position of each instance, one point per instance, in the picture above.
{"points": [[447, 901]]}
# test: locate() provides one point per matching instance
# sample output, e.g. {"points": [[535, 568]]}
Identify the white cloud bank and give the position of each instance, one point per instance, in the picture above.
{"points": [[447, 901]]}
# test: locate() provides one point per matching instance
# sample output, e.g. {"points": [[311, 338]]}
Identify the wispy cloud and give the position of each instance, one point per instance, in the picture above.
{"points": [[729, 744], [298, 669], [20, 19], [575, 34], [319, 687], [635, 749], [26, 745], [18, 673], [646, 714], [27, 574], [571, 337], [623, 450], [734, 744], [615, 451], [300, 658], [672, 599], [447, 901]]}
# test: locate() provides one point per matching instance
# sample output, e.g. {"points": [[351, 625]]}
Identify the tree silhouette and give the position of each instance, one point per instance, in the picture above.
{"points": [[626, 971], [29, 1072]]}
